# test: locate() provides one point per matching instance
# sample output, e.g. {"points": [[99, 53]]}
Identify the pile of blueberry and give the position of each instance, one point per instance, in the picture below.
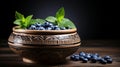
{"points": [[93, 58], [46, 26]]}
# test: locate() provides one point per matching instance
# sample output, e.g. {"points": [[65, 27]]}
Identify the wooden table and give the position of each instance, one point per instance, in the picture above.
{"points": [[103, 47]]}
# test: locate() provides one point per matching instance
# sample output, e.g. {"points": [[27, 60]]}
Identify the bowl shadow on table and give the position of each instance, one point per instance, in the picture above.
{"points": [[46, 65]]}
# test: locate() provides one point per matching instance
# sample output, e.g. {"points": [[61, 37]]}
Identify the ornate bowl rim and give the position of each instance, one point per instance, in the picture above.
{"points": [[18, 30]]}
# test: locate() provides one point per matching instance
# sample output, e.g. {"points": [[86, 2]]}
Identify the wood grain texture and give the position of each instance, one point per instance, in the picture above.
{"points": [[10, 59]]}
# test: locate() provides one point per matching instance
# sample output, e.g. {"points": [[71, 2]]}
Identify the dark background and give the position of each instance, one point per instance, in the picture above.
{"points": [[95, 19]]}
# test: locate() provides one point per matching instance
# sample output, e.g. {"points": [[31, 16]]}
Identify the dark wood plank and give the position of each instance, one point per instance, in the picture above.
{"points": [[103, 47], [10, 59]]}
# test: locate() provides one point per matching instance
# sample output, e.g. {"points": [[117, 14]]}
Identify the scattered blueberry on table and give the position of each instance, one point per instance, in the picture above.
{"points": [[93, 58]]}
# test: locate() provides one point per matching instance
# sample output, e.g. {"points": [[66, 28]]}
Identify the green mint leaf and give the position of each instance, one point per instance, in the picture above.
{"points": [[21, 20], [67, 23], [27, 20], [33, 21], [51, 19], [17, 22], [60, 14], [19, 15]]}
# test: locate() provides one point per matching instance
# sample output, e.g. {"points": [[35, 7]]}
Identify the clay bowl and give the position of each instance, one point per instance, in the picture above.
{"points": [[44, 46]]}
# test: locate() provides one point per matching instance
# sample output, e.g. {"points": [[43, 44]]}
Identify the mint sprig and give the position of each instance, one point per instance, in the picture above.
{"points": [[22, 21], [60, 20]]}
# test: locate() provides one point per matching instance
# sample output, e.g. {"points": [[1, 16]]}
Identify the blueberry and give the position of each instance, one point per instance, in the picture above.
{"points": [[41, 28], [48, 28], [94, 60], [109, 60], [44, 25], [84, 60], [47, 24], [72, 57], [37, 24], [88, 56], [57, 28], [106, 57], [81, 57], [76, 55], [82, 54], [76, 58], [37, 28], [103, 61], [52, 27], [32, 27], [50, 24], [96, 54], [99, 58]]}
